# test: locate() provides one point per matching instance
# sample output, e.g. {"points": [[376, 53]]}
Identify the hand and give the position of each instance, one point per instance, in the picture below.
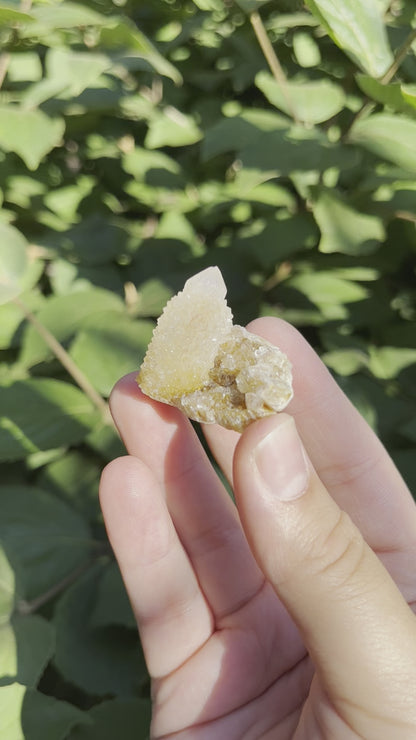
{"points": [[289, 617]]}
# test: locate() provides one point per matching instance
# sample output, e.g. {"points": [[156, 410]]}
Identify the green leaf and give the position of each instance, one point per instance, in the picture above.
{"points": [[11, 702], [65, 201], [24, 66], [110, 346], [389, 137], [41, 414], [388, 362], [23, 189], [96, 240], [105, 441], [409, 429], [26, 646], [208, 5], [177, 227], [30, 134], [12, 318], [125, 37], [255, 186], [7, 588], [67, 277], [409, 94], [44, 535], [392, 95], [29, 715], [268, 243], [46, 89], [63, 316], [150, 166], [297, 150], [46, 718], [78, 70], [251, 6], [112, 605], [152, 297], [345, 361], [405, 461], [306, 50], [161, 199], [68, 74], [285, 21], [267, 142], [125, 718], [172, 128], [66, 15], [357, 28], [328, 292], [99, 661], [74, 477], [10, 15], [233, 133], [343, 229], [313, 102], [13, 262]]}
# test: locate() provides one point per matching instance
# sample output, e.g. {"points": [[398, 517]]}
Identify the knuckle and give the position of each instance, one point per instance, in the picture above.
{"points": [[337, 554]]}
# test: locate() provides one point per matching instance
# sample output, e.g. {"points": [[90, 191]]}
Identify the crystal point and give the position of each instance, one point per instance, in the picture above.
{"points": [[213, 371]]}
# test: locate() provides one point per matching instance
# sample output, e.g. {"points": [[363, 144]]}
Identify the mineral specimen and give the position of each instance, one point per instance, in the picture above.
{"points": [[213, 371]]}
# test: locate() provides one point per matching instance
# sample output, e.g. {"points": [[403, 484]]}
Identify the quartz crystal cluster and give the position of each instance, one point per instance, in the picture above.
{"points": [[213, 371]]}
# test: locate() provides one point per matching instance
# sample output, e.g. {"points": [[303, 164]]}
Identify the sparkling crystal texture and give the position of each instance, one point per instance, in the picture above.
{"points": [[213, 371]]}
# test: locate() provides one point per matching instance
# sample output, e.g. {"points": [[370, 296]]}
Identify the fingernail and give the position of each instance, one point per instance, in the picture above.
{"points": [[281, 462]]}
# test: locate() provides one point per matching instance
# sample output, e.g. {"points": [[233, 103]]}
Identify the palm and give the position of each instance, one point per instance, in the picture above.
{"points": [[251, 676]]}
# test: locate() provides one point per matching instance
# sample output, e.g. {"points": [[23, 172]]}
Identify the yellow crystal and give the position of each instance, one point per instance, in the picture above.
{"points": [[213, 371]]}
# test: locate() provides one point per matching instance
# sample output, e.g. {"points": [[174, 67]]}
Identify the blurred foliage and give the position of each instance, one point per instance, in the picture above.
{"points": [[140, 143]]}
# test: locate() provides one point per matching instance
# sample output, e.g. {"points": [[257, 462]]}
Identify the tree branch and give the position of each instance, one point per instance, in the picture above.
{"points": [[273, 62], [401, 53], [66, 360], [24, 607], [399, 58], [4, 64]]}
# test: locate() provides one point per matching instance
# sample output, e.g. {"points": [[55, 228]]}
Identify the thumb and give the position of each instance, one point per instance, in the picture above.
{"points": [[357, 627]]}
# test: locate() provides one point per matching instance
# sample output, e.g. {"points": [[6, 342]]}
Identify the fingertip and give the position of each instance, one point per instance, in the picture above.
{"points": [[117, 469], [136, 414], [277, 331], [125, 386], [260, 428], [119, 480]]}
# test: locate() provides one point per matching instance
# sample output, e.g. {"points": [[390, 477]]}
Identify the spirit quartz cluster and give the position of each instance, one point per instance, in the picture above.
{"points": [[213, 371]]}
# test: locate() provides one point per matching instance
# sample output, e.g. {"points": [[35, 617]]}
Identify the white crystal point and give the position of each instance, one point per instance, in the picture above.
{"points": [[186, 339], [213, 371]]}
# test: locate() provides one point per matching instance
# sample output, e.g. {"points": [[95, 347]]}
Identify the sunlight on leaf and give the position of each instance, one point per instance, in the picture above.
{"points": [[357, 27], [13, 262], [388, 136], [30, 134]]}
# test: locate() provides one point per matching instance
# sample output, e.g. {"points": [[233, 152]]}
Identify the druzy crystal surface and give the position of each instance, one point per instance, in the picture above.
{"points": [[213, 371]]}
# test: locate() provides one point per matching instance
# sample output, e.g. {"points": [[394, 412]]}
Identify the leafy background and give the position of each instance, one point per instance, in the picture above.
{"points": [[139, 143]]}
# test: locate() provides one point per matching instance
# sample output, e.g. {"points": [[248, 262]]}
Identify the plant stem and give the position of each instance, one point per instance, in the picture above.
{"points": [[29, 607], [369, 106], [273, 62], [399, 58], [64, 358], [4, 63]]}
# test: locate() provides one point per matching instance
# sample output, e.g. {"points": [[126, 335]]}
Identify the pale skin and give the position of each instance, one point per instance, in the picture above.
{"points": [[290, 615]]}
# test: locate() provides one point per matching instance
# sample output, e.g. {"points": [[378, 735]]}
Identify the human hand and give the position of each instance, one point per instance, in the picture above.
{"points": [[290, 617]]}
